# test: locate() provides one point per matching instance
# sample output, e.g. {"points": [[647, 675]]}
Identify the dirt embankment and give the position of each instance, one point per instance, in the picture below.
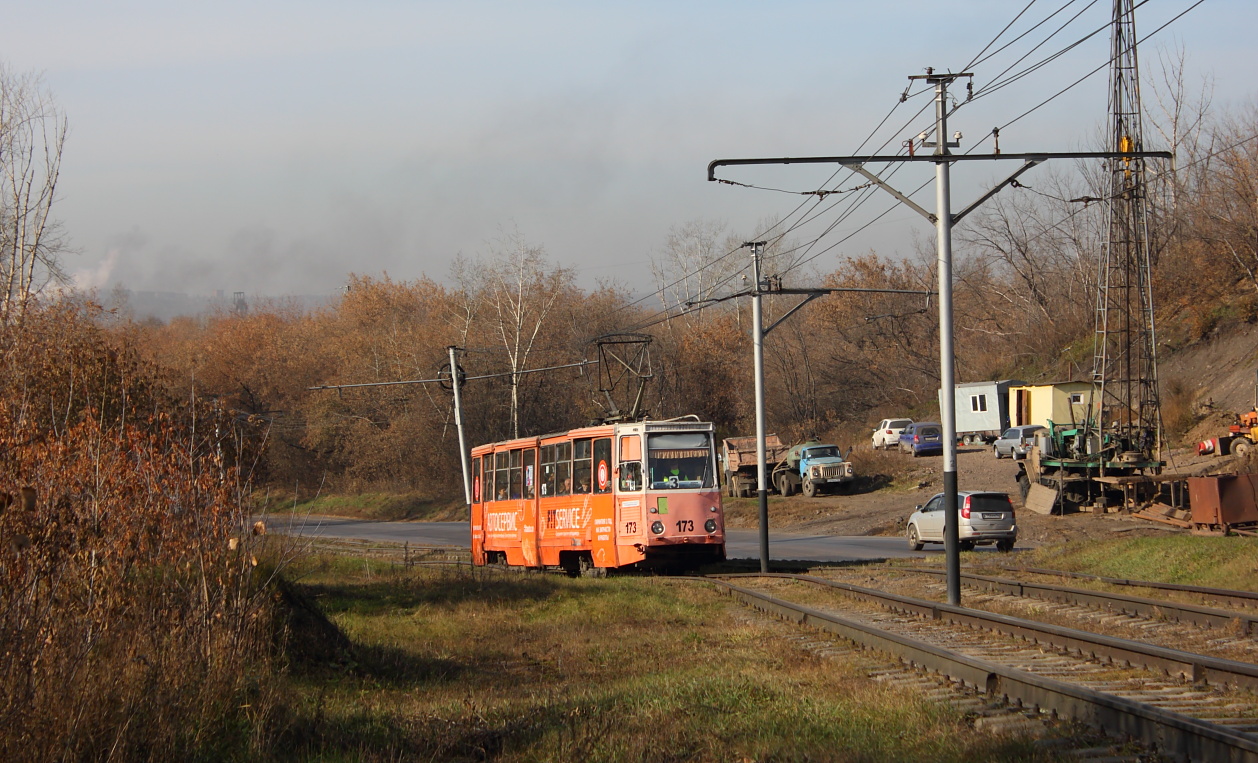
{"points": [[883, 511], [1218, 372], [1214, 377]]}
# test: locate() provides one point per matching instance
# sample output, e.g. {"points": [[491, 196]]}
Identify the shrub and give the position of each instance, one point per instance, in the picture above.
{"points": [[133, 622]]}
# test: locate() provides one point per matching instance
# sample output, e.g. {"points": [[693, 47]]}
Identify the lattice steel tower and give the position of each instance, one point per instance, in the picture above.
{"points": [[1124, 367]]}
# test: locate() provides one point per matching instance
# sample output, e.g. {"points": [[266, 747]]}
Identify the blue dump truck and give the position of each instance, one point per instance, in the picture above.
{"points": [[813, 467]]}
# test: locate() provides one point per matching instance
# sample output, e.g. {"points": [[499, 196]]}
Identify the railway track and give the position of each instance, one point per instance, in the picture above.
{"points": [[1228, 597], [1246, 623], [1061, 737], [1184, 705]]}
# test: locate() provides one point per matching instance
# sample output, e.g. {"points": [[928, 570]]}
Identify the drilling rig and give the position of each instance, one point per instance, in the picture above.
{"points": [[1112, 455]]}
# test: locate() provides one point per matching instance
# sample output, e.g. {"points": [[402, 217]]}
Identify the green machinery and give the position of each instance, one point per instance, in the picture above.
{"points": [[1076, 465]]}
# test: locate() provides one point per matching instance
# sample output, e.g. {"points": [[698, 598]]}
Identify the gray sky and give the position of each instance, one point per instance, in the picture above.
{"points": [[273, 147]]}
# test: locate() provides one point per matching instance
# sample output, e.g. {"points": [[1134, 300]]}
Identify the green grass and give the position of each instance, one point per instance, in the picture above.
{"points": [[1230, 562], [382, 506], [463, 664]]}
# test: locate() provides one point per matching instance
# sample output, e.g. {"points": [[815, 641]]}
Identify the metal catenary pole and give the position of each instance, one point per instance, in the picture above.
{"points": [[944, 219], [757, 343], [947, 364], [456, 383]]}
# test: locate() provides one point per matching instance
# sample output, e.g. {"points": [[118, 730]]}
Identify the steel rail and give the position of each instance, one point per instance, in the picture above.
{"points": [[1195, 667], [1171, 733], [1136, 605], [1244, 598]]}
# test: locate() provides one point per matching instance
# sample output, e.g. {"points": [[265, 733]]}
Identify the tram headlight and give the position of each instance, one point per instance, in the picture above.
{"points": [[657, 527], [710, 525]]}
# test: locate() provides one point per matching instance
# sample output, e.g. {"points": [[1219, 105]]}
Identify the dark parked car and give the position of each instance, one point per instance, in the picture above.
{"points": [[922, 438], [1016, 441]]}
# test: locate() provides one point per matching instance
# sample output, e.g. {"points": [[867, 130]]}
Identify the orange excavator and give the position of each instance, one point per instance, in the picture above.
{"points": [[1244, 433]]}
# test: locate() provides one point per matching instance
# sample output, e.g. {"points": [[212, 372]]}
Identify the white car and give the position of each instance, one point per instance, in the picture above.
{"points": [[887, 435]]}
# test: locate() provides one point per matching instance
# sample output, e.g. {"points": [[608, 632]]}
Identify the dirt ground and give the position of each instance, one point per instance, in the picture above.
{"points": [[882, 504]]}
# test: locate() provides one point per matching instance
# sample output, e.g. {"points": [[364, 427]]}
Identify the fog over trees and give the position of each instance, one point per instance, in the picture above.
{"points": [[1025, 284]]}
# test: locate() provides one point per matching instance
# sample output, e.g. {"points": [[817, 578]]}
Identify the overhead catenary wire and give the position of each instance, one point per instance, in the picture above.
{"points": [[978, 60], [859, 201], [957, 107], [997, 83], [664, 315], [1021, 116], [462, 379], [1104, 65], [855, 202], [974, 61]]}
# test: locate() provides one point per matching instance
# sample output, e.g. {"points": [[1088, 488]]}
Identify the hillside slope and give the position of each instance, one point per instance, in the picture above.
{"points": [[1215, 376]]}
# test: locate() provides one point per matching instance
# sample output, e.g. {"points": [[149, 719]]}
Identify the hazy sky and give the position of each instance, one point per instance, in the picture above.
{"points": [[273, 147]]}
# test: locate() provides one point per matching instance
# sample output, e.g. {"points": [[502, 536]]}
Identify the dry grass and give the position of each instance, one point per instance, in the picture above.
{"points": [[459, 664]]}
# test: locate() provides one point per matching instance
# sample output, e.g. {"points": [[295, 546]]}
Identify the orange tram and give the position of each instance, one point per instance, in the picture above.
{"points": [[642, 494]]}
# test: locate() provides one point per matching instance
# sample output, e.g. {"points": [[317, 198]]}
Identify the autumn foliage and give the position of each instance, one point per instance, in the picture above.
{"points": [[132, 619]]}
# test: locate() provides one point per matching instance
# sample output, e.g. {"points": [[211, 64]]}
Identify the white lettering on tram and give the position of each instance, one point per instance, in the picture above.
{"points": [[565, 519], [497, 523]]}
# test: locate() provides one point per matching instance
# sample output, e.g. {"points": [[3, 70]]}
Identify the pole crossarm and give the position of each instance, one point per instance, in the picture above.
{"points": [[817, 292], [846, 289], [791, 312], [937, 158], [906, 201], [995, 190], [809, 296]]}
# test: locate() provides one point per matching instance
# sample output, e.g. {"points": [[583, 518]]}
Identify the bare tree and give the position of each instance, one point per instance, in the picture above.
{"points": [[695, 264], [520, 290], [1181, 121], [32, 137], [1226, 209]]}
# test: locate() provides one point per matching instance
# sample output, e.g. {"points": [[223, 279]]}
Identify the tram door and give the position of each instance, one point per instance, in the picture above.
{"points": [[631, 521], [477, 510]]}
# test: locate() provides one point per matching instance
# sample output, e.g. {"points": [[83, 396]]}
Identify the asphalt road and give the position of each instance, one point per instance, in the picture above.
{"points": [[740, 544]]}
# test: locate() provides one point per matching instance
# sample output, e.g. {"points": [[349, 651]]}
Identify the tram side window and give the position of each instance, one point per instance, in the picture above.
{"points": [[516, 474], [530, 473], [548, 470], [502, 472], [630, 462], [563, 468], [603, 465], [476, 480], [487, 489], [581, 464]]}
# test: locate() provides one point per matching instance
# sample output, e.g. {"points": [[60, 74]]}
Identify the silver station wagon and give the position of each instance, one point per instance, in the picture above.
{"points": [[984, 518], [1016, 441]]}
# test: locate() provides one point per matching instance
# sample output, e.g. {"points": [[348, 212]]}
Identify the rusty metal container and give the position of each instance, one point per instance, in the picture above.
{"points": [[1224, 500]]}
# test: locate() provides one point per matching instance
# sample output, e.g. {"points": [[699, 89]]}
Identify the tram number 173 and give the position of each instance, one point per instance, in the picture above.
{"points": [[685, 526]]}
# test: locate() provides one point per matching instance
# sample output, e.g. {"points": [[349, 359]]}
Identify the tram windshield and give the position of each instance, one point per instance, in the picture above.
{"points": [[680, 460]]}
